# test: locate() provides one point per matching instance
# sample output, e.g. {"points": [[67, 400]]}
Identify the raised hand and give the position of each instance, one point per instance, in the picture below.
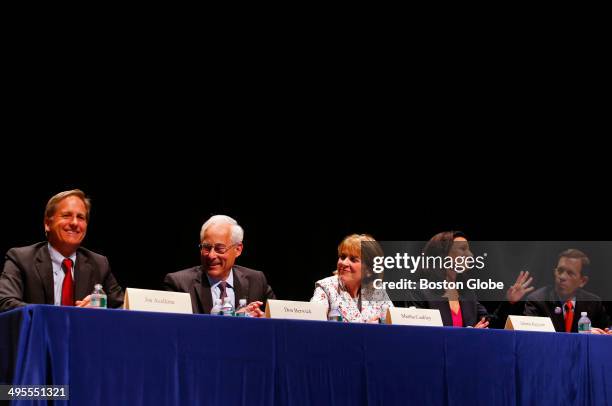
{"points": [[520, 288]]}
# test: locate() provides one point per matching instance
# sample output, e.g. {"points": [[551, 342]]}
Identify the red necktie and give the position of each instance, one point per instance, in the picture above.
{"points": [[569, 316], [67, 289]]}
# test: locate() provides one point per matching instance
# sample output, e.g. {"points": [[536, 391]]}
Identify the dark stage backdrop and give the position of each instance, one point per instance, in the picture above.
{"points": [[147, 210]]}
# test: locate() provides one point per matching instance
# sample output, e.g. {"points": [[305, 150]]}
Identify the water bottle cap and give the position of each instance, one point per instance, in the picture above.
{"points": [[242, 302], [583, 314], [97, 286]]}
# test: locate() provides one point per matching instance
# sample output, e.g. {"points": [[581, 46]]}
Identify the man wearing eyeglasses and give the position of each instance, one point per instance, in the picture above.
{"points": [[218, 276], [564, 302]]}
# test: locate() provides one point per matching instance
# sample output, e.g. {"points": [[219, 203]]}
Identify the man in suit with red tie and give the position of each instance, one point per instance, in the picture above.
{"points": [[564, 302], [58, 271]]}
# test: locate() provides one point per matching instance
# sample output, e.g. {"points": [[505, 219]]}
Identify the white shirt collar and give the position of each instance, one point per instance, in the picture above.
{"points": [[57, 258], [230, 280]]}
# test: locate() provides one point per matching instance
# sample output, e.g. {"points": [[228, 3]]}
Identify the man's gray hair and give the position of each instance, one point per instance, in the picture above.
{"points": [[237, 231]]}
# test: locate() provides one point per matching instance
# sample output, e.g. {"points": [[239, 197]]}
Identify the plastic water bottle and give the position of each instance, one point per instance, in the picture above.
{"points": [[383, 314], [241, 312], [334, 314], [584, 324], [216, 310], [228, 308], [98, 297]]}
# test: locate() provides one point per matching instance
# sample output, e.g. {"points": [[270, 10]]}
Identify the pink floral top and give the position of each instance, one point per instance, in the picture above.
{"points": [[330, 290]]}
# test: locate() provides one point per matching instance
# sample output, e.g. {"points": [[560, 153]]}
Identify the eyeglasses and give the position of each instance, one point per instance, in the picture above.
{"points": [[219, 248]]}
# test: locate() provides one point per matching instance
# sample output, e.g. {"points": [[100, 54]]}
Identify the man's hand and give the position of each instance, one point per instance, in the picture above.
{"points": [[253, 309], [520, 288], [596, 330], [83, 303]]}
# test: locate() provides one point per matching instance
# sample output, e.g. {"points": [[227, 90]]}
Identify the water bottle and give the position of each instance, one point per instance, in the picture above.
{"points": [[334, 314], [98, 297], [228, 308], [241, 312], [383, 314], [584, 324], [216, 310]]}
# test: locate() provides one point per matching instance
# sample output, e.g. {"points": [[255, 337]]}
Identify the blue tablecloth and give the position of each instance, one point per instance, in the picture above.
{"points": [[116, 357]]}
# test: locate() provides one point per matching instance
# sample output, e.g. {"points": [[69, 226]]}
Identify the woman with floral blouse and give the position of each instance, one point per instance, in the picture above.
{"points": [[350, 288]]}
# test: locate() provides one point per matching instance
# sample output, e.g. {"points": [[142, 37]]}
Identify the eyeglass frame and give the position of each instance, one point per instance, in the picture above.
{"points": [[213, 247]]}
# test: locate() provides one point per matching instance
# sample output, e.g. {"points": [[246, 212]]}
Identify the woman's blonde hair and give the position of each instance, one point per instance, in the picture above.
{"points": [[365, 247]]}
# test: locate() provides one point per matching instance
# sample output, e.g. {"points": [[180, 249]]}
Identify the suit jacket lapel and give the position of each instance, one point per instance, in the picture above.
{"points": [[241, 287], [45, 272], [82, 277], [558, 319], [581, 306], [468, 312], [201, 289], [552, 303], [436, 301], [445, 312], [469, 308]]}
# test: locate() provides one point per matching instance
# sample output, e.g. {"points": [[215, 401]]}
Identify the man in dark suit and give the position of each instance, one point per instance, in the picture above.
{"points": [[60, 270], [564, 301], [218, 277]]}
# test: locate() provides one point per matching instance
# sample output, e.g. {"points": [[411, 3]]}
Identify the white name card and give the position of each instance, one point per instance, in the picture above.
{"points": [[529, 323], [287, 309], [414, 317], [157, 301]]}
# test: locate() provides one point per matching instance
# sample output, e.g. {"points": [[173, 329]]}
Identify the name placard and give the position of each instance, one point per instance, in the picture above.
{"points": [[288, 309], [529, 323], [157, 301], [414, 317]]}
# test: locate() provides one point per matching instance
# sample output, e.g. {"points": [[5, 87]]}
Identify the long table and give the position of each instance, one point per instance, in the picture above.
{"points": [[118, 357]]}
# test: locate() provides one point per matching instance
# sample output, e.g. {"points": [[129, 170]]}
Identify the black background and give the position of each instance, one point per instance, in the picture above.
{"points": [[295, 201], [301, 147]]}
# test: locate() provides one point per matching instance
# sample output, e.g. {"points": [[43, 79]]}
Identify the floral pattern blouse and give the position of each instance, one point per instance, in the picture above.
{"points": [[331, 290]]}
